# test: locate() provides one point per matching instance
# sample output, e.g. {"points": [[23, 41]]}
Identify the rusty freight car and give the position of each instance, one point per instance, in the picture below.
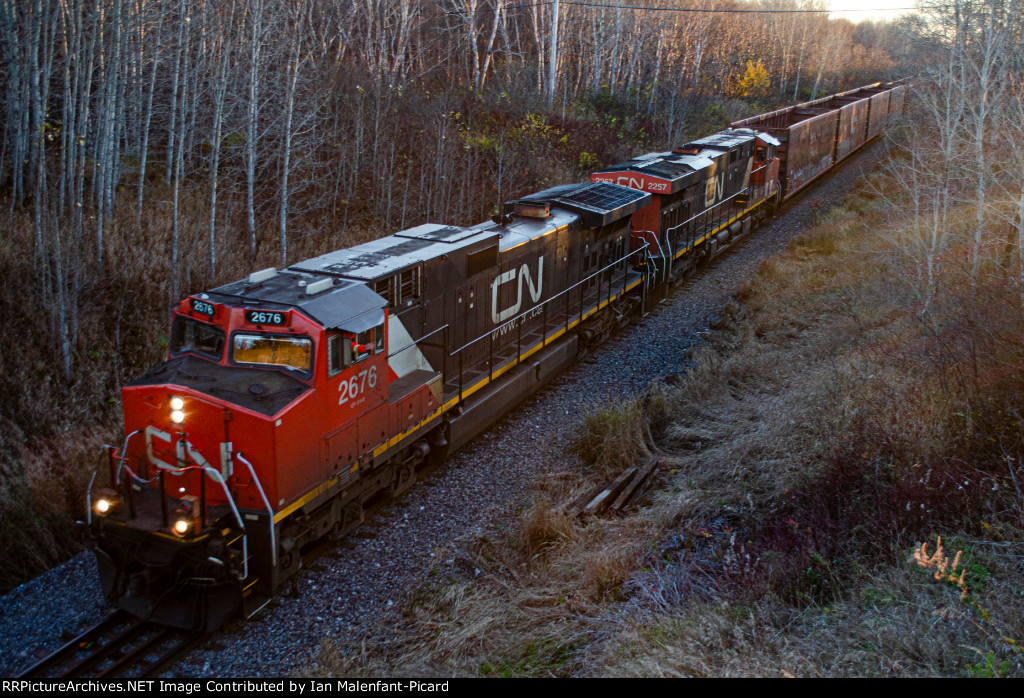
{"points": [[816, 135]]}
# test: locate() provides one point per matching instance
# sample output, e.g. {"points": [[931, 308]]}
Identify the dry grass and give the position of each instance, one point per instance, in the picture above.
{"points": [[894, 623], [612, 438], [825, 431], [546, 526]]}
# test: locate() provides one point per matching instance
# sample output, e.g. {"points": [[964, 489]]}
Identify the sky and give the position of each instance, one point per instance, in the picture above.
{"points": [[875, 5]]}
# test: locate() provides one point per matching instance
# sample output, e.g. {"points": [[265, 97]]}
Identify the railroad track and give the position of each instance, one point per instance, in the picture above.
{"points": [[119, 645]]}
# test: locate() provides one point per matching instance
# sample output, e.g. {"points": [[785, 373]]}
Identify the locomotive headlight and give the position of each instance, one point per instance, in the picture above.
{"points": [[177, 409], [186, 517], [106, 502]]}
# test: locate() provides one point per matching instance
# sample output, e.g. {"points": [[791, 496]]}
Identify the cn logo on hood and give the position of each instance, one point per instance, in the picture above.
{"points": [[523, 273]]}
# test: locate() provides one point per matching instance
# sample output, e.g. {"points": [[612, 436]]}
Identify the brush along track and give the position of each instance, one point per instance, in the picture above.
{"points": [[352, 595]]}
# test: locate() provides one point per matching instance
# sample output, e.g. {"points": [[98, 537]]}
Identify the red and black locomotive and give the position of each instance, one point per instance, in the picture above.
{"points": [[293, 399]]}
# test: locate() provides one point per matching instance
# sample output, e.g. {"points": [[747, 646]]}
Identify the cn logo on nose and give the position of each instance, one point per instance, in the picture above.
{"points": [[523, 273]]}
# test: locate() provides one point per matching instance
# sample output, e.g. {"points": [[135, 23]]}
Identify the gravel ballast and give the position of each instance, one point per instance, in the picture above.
{"points": [[349, 594]]}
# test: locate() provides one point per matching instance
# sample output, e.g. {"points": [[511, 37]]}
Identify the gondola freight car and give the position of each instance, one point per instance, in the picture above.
{"points": [[815, 136]]}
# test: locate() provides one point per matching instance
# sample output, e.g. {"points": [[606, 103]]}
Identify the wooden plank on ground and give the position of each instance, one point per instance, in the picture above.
{"points": [[627, 493], [576, 507], [598, 503]]}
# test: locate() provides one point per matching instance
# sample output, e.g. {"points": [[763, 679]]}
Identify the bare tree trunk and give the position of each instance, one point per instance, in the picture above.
{"points": [[613, 66], [702, 34], [85, 112], [830, 49], [15, 68], [107, 147], [252, 116], [986, 74], [179, 167], [291, 79], [148, 118], [538, 33], [220, 88], [800, 62], [597, 41], [490, 45], [657, 71], [37, 152], [469, 7], [1019, 230], [175, 80], [70, 41]]}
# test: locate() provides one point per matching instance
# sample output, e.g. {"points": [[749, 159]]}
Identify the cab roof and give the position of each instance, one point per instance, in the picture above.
{"points": [[724, 140], [333, 302]]}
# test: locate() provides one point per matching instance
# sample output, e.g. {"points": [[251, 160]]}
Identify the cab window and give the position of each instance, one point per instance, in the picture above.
{"points": [[335, 354], [193, 336], [295, 353], [349, 348], [360, 346]]}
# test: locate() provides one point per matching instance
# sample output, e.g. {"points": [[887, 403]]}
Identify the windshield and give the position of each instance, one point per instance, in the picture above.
{"points": [[273, 350], [199, 337]]}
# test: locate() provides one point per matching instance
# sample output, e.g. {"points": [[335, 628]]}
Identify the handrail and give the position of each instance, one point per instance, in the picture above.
{"points": [[88, 490], [115, 475], [709, 229], [661, 252], [266, 503], [549, 300], [396, 352], [210, 472], [668, 260], [712, 208], [207, 468], [187, 447], [121, 458]]}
